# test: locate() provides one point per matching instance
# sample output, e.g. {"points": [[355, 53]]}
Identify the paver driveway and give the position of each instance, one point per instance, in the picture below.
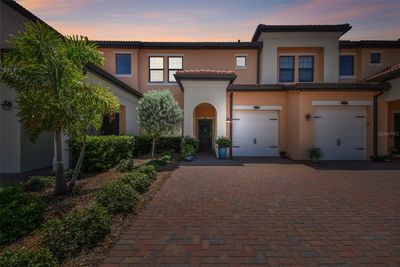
{"points": [[267, 214]]}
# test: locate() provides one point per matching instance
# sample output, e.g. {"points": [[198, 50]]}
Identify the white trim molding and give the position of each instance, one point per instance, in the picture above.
{"points": [[341, 102], [244, 107]]}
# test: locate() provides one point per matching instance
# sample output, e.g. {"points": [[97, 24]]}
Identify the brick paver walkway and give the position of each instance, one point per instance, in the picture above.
{"points": [[267, 214]]}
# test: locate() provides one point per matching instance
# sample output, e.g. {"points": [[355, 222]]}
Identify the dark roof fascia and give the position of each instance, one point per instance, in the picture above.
{"points": [[112, 79], [26, 13], [178, 45], [342, 28], [369, 44], [180, 78], [348, 87], [385, 77]]}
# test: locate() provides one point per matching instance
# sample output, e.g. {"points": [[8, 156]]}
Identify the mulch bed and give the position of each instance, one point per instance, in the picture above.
{"points": [[84, 196]]}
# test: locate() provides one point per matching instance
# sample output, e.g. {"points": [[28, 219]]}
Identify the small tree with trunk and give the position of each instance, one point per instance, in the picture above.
{"points": [[46, 70], [159, 114]]}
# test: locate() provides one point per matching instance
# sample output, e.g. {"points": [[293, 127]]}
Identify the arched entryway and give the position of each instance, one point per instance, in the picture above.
{"points": [[204, 125]]}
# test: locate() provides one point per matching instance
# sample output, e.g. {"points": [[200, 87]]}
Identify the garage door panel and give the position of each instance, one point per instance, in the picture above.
{"points": [[341, 132], [255, 133]]}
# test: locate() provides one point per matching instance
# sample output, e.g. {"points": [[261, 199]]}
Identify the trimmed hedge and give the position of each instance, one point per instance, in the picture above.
{"points": [[41, 257], [75, 231], [117, 197], [166, 143], [20, 213], [38, 183], [150, 170], [138, 180], [103, 152], [125, 165]]}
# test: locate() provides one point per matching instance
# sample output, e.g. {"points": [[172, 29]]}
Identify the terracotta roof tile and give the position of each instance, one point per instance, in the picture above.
{"points": [[384, 75], [350, 86], [178, 45], [205, 72], [370, 44]]}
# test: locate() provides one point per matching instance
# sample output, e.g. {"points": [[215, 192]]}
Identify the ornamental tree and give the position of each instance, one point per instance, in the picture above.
{"points": [[46, 69], [159, 114]]}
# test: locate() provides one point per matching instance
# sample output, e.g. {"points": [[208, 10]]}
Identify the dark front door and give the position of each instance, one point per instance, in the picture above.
{"points": [[205, 134], [397, 132]]}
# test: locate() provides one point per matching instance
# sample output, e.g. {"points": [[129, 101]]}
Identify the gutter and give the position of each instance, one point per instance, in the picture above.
{"points": [[376, 122]]}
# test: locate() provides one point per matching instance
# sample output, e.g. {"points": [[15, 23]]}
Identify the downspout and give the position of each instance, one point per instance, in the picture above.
{"points": [[258, 65], [376, 123], [231, 119]]}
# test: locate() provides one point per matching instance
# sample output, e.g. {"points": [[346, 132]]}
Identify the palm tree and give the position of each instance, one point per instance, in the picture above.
{"points": [[46, 70]]}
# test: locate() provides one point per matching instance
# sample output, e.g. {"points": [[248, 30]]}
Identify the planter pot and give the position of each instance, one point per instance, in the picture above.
{"points": [[222, 151], [189, 158]]}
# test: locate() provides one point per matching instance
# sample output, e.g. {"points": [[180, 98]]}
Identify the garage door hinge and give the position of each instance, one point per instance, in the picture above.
{"points": [[235, 146], [360, 116], [317, 117], [236, 119], [360, 148], [273, 119], [273, 146]]}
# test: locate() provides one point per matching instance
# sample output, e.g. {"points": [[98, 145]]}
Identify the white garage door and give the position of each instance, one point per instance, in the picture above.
{"points": [[255, 133], [341, 132]]}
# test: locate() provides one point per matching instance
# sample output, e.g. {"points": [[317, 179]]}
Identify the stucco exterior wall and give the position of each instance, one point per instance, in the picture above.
{"points": [[210, 59], [36, 155], [211, 92], [272, 41], [129, 101], [11, 22], [10, 133], [393, 107], [389, 57]]}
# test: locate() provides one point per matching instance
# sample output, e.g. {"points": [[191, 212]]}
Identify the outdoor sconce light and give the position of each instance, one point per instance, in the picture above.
{"points": [[6, 105], [308, 117], [228, 120]]}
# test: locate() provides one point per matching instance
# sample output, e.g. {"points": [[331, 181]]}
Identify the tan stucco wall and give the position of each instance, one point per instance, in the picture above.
{"points": [[362, 66], [219, 59], [296, 134]]}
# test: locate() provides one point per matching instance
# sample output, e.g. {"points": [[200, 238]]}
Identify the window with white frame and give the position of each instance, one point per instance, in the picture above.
{"points": [[174, 64], [306, 68], [346, 65], [286, 69], [123, 64], [240, 61], [156, 69]]}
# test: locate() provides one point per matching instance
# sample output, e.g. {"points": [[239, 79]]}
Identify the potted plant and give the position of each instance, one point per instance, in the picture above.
{"points": [[223, 143], [188, 152], [315, 154]]}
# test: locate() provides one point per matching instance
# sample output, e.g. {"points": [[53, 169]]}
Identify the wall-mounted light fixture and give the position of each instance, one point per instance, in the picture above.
{"points": [[6, 105], [228, 120], [308, 117]]}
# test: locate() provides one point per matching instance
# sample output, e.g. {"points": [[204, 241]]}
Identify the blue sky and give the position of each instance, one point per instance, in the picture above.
{"points": [[212, 20]]}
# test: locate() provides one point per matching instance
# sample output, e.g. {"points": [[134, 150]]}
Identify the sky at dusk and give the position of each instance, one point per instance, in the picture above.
{"points": [[212, 20]]}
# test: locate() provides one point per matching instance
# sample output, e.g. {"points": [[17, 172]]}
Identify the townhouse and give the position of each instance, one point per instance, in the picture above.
{"points": [[291, 88]]}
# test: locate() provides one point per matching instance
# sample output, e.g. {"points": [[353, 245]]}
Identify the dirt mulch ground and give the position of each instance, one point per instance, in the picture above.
{"points": [[86, 187]]}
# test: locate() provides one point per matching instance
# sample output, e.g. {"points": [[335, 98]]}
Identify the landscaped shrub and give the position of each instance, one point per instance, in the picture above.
{"points": [[125, 165], [41, 257], [20, 213], [117, 197], [150, 170], [38, 183], [138, 180], [166, 158], [68, 173], [75, 231], [103, 152], [166, 143], [188, 140]]}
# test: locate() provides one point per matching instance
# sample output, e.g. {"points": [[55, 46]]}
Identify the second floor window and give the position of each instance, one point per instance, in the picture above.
{"points": [[123, 64], [286, 69], [306, 68], [240, 61], [174, 64], [346, 65], [156, 69], [375, 58]]}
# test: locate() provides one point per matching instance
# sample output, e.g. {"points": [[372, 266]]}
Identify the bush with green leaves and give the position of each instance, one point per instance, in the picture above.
{"points": [[38, 183], [138, 180], [117, 197], [166, 158], [315, 154], [223, 141], [103, 152], [125, 165], [188, 150], [188, 140], [20, 213], [148, 169], [168, 144], [75, 231], [41, 257]]}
